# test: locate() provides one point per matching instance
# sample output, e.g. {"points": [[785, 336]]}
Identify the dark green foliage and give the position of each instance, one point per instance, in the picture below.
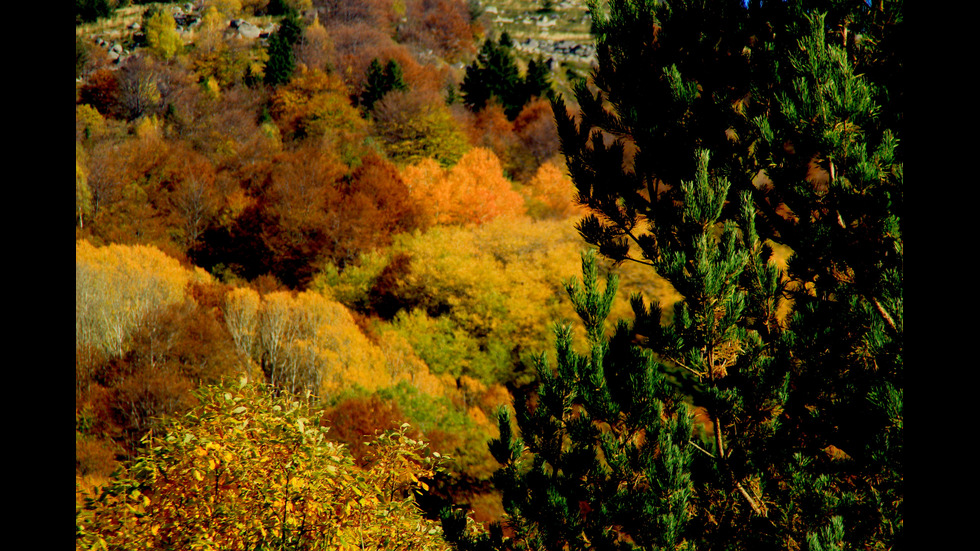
{"points": [[82, 56], [281, 7], [495, 77], [87, 11], [282, 59], [710, 135], [381, 80], [537, 80], [604, 449]]}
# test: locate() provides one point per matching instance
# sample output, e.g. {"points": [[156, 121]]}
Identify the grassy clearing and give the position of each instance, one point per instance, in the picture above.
{"points": [[115, 28]]}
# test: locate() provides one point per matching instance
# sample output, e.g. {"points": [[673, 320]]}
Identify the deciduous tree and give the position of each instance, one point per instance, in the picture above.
{"points": [[116, 286], [474, 191], [228, 62], [246, 470], [314, 104], [83, 194], [417, 125], [315, 49], [377, 14], [442, 26], [101, 91], [535, 128], [551, 194], [162, 37], [305, 343]]}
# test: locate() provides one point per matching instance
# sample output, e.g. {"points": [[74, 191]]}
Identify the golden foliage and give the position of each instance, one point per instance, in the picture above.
{"points": [[314, 104], [116, 286], [306, 342], [246, 470], [551, 194], [229, 62], [476, 296], [473, 192], [418, 125], [162, 36]]}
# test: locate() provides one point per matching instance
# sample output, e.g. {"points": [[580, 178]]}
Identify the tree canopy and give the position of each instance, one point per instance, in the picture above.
{"points": [[495, 77], [248, 470], [280, 208], [768, 413]]}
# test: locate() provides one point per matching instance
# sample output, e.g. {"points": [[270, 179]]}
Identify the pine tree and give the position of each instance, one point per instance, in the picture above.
{"points": [[712, 134], [282, 59], [87, 11], [381, 80], [281, 8], [494, 76], [537, 80]]}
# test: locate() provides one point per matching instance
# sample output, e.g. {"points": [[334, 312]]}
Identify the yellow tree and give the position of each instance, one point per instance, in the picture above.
{"points": [[162, 37], [305, 342], [313, 104], [227, 8], [83, 194], [227, 62], [246, 470], [241, 315], [475, 298], [315, 48], [551, 194], [414, 125], [117, 285]]}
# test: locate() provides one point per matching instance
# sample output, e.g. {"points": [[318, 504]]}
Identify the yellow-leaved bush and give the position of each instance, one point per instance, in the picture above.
{"points": [[249, 470], [480, 297], [305, 342], [116, 286]]}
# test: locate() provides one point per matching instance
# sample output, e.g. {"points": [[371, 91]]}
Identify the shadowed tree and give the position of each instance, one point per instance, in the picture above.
{"points": [[494, 76], [710, 134]]}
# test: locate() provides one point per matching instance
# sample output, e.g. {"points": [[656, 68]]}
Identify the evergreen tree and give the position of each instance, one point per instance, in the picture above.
{"points": [[281, 8], [537, 80], [282, 58], [381, 80], [494, 76], [711, 134], [87, 11]]}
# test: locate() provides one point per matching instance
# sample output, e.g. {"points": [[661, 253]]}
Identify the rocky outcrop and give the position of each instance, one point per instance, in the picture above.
{"points": [[562, 50]]}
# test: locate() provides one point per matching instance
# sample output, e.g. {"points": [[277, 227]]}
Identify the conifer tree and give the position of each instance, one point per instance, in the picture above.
{"points": [[711, 134], [282, 59], [381, 80], [87, 11], [537, 80], [495, 76]]}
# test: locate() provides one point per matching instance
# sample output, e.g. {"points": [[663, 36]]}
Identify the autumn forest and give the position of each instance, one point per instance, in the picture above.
{"points": [[320, 247], [389, 247]]}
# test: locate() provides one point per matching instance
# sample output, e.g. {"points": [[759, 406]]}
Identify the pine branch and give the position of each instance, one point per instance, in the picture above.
{"points": [[702, 450], [723, 462], [885, 316]]}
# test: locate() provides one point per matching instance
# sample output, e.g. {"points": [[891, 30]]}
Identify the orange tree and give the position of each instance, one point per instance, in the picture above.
{"points": [[248, 470]]}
